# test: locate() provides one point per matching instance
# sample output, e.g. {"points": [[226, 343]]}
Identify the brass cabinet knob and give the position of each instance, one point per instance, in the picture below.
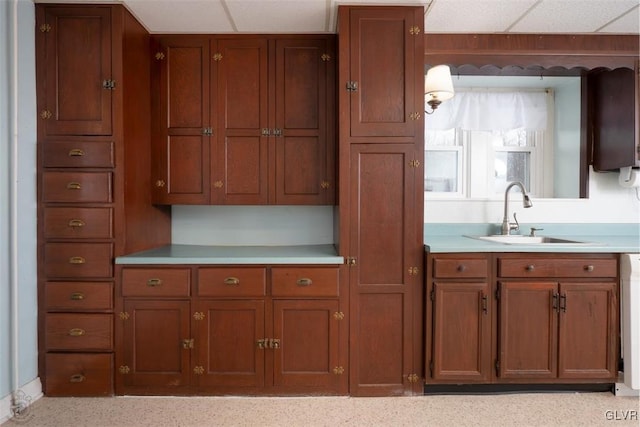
{"points": [[588, 268], [461, 268], [530, 267]]}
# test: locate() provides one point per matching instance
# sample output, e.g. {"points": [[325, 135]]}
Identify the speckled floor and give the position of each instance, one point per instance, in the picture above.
{"points": [[536, 409]]}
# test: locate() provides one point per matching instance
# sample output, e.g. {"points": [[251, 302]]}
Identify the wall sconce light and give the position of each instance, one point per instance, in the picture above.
{"points": [[438, 86]]}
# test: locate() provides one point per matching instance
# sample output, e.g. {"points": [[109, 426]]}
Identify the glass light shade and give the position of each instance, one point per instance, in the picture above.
{"points": [[438, 84]]}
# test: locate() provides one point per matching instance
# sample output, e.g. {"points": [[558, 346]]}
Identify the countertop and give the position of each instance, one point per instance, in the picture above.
{"points": [[195, 254], [594, 238]]}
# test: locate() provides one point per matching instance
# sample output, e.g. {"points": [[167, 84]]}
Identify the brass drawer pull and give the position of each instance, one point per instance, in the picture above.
{"points": [[154, 282], [77, 296], [77, 378], [530, 267], [76, 332], [76, 152], [74, 186], [232, 281], [76, 223], [76, 260], [304, 282], [588, 268]]}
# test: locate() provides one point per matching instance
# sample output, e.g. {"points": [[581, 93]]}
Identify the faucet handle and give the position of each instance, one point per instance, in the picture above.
{"points": [[533, 231], [515, 226]]}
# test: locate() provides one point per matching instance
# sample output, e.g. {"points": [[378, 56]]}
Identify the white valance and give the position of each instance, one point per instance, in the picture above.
{"points": [[487, 111]]}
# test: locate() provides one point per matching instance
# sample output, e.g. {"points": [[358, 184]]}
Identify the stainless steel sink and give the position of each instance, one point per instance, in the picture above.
{"points": [[516, 239]]}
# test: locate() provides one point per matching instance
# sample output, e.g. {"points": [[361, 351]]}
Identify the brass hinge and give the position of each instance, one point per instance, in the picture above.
{"points": [[415, 30], [109, 84], [45, 28], [415, 116], [413, 378], [198, 370], [198, 315], [218, 184], [352, 86], [217, 56], [187, 343], [413, 271], [207, 131], [338, 315], [350, 261], [273, 343], [46, 114], [160, 183], [324, 185], [325, 57], [124, 369], [159, 56], [414, 163], [124, 315], [338, 370]]}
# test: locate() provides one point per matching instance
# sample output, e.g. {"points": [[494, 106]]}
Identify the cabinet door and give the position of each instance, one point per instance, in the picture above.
{"points": [[385, 279], [239, 172], [386, 59], [180, 129], [588, 330], [77, 63], [613, 109], [154, 349], [528, 326], [304, 85], [228, 356], [308, 355], [461, 331]]}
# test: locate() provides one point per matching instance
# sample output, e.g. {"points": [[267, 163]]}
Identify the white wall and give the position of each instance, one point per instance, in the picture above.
{"points": [[17, 214]]}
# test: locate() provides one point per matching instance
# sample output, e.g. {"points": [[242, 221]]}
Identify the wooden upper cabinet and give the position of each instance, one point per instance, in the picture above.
{"points": [[76, 103], [240, 157], [385, 65], [304, 97], [244, 120], [181, 125], [613, 108]]}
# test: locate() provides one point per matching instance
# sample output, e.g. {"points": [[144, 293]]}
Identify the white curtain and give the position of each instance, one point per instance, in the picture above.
{"points": [[487, 111]]}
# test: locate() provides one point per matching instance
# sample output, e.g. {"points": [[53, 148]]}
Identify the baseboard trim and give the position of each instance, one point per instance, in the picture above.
{"points": [[25, 396]]}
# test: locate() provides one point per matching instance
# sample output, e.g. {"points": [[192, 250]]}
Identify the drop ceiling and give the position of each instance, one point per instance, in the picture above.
{"points": [[441, 16]]}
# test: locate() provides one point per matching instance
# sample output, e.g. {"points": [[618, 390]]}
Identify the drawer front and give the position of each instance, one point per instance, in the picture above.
{"points": [[460, 268], [78, 223], [78, 260], [304, 282], [77, 187], [76, 374], [232, 282], [156, 282], [557, 267], [79, 154], [70, 331], [78, 296]]}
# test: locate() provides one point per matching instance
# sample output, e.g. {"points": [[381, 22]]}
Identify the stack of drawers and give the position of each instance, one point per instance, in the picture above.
{"points": [[77, 214]]}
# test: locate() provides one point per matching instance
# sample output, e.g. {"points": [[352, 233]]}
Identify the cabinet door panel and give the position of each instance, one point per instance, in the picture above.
{"points": [[78, 39], [309, 343], [300, 170], [153, 358], [528, 330], [245, 171], [587, 342], [227, 343], [461, 331], [382, 61]]}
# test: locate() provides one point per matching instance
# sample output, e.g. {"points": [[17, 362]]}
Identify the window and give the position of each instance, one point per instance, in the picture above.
{"points": [[475, 151]]}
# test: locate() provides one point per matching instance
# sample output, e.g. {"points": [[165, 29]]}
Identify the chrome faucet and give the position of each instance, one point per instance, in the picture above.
{"points": [[526, 202]]}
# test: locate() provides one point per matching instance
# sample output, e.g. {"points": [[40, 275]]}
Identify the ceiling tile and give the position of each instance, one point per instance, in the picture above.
{"points": [[629, 23], [474, 16], [184, 16], [279, 16], [572, 16]]}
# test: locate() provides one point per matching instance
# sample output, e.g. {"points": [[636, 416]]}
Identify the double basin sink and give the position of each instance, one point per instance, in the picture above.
{"points": [[517, 239]]}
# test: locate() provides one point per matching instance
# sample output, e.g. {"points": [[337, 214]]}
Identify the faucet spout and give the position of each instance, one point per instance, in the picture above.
{"points": [[526, 202]]}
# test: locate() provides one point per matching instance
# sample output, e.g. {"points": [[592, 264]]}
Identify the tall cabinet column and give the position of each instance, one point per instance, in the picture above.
{"points": [[381, 140]]}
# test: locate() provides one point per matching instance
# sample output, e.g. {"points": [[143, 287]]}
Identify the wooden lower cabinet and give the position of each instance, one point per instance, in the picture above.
{"points": [[230, 336], [522, 318]]}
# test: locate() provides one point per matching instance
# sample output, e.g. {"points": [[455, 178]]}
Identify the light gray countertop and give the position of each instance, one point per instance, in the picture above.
{"points": [[595, 238], [195, 254]]}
